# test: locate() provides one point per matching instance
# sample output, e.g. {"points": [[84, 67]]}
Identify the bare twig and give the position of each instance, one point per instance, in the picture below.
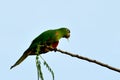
{"points": [[89, 60], [86, 59]]}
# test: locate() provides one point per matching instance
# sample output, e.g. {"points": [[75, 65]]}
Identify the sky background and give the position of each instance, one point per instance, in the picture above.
{"points": [[95, 33]]}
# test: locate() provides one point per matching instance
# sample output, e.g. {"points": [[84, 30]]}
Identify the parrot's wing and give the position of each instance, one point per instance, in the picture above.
{"points": [[25, 54]]}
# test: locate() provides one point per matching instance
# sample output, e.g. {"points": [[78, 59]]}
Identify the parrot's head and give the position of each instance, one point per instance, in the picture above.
{"points": [[65, 32]]}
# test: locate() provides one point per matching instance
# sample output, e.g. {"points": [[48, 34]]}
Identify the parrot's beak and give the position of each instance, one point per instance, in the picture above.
{"points": [[67, 36]]}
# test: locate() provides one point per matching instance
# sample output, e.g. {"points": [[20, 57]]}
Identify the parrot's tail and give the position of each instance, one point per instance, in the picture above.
{"points": [[25, 54]]}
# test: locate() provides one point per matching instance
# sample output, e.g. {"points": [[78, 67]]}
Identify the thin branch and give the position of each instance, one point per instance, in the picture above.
{"points": [[89, 60], [86, 59]]}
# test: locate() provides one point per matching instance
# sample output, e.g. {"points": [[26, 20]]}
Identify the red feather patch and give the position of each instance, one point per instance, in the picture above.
{"points": [[55, 44]]}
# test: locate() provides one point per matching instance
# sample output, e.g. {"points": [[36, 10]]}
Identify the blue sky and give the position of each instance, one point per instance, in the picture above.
{"points": [[95, 33]]}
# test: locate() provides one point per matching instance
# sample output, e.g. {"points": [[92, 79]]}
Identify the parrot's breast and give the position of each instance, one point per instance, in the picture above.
{"points": [[55, 44]]}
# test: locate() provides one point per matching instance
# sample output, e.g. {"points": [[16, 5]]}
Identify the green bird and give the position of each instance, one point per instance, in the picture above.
{"points": [[48, 38]]}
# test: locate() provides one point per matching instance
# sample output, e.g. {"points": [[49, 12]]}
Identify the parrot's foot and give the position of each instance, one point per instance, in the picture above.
{"points": [[55, 49]]}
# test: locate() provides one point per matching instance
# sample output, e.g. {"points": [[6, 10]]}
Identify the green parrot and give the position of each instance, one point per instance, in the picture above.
{"points": [[48, 38]]}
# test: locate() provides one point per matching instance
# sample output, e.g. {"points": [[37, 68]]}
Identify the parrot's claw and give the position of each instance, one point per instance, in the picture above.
{"points": [[55, 49]]}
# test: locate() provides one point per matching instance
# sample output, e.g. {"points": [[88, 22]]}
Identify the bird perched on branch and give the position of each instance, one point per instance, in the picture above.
{"points": [[48, 38]]}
